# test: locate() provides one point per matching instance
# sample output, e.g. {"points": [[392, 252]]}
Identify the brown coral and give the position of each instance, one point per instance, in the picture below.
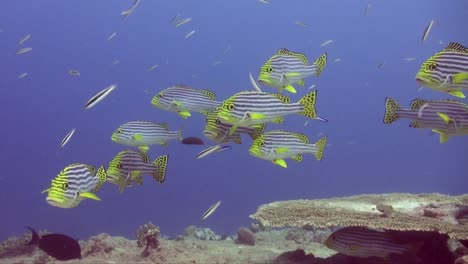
{"points": [[147, 236], [406, 213]]}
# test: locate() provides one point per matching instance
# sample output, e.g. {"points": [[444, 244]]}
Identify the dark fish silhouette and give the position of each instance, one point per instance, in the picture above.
{"points": [[59, 246], [192, 141]]}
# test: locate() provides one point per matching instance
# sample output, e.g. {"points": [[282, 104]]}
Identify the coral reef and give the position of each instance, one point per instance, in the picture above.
{"points": [[147, 236], [245, 236], [399, 211], [206, 234], [308, 234]]}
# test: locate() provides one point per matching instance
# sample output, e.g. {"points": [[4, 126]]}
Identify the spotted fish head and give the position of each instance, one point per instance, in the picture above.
{"points": [[119, 136], [161, 100], [65, 189], [226, 110], [269, 75], [429, 75], [259, 147]]}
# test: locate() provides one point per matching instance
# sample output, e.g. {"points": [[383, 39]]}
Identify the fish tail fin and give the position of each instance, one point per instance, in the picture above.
{"points": [[308, 101], [258, 130], [320, 63], [161, 164], [101, 175], [320, 145], [35, 237], [179, 133], [391, 108]]}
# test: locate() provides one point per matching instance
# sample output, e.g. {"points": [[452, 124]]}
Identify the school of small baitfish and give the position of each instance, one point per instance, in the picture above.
{"points": [[248, 112]]}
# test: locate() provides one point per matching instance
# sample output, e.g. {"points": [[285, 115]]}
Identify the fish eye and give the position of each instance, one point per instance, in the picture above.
{"points": [[119, 130], [432, 66], [261, 143], [119, 165], [269, 69], [160, 95], [230, 107], [65, 186], [218, 122]]}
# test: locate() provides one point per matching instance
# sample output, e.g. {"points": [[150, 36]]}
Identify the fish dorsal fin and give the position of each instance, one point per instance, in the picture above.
{"points": [[210, 94], [144, 157], [183, 86], [302, 137], [283, 98], [417, 103], [454, 46], [163, 125], [297, 158], [298, 55]]}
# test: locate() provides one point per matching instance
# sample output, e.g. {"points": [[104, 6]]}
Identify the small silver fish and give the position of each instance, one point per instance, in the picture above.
{"points": [[23, 50], [216, 63], [427, 30], [174, 19], [152, 67], [211, 150], [366, 12], [302, 24], [112, 36], [264, 1], [74, 72], [23, 40], [183, 21], [190, 34], [410, 58], [254, 83], [130, 11], [210, 210], [228, 48], [99, 96], [67, 138], [21, 76], [326, 43]]}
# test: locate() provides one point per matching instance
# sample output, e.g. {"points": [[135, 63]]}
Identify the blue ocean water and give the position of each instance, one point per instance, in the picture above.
{"points": [[364, 156]]}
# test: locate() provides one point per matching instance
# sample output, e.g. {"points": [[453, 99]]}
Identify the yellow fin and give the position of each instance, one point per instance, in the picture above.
{"points": [[444, 117], [415, 124], [161, 164], [391, 108], [102, 178], [320, 63], [143, 149], [297, 158], [302, 137], [90, 195], [185, 114], [298, 55], [443, 136], [292, 74], [301, 82], [459, 77], [281, 150], [232, 130], [237, 139], [308, 101], [256, 116], [210, 94], [283, 98], [457, 94], [280, 162], [176, 103], [290, 89], [278, 120], [416, 104], [137, 137], [320, 145]]}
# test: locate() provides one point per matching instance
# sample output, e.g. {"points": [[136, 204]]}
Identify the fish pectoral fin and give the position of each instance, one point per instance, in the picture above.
{"points": [[280, 162], [137, 137], [444, 117], [185, 114], [459, 77], [281, 150], [176, 103], [256, 116], [143, 149], [232, 130], [301, 82], [297, 158], [134, 174], [290, 89], [89, 195], [292, 74], [458, 94], [278, 120]]}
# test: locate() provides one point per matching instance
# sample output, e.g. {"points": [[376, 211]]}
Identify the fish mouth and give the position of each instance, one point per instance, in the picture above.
{"points": [[421, 80], [264, 79], [114, 137], [254, 152], [58, 202]]}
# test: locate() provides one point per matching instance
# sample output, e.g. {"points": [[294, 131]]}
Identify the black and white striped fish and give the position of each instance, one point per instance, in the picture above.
{"points": [[184, 99], [218, 132], [277, 145], [129, 166], [99, 96], [141, 134], [75, 183], [364, 242], [446, 117], [249, 108], [286, 68], [446, 71]]}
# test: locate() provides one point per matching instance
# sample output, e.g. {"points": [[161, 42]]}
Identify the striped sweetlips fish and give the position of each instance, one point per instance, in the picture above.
{"points": [[364, 242], [129, 166], [446, 71], [277, 145], [184, 99], [141, 134], [286, 68], [446, 117], [249, 108], [75, 183], [218, 132]]}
